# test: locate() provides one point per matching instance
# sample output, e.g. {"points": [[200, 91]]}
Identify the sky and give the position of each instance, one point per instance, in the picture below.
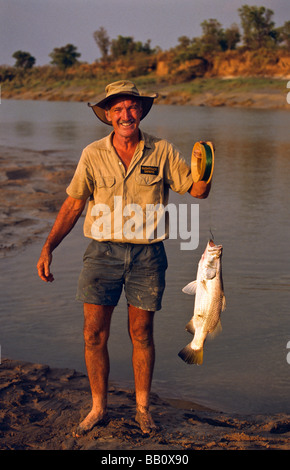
{"points": [[38, 26]]}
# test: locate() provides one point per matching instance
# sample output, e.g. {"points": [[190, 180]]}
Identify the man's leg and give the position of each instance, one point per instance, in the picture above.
{"points": [[97, 320], [141, 334]]}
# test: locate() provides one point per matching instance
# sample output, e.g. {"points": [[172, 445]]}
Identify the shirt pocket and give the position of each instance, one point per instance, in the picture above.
{"points": [[105, 181], [105, 187], [150, 188]]}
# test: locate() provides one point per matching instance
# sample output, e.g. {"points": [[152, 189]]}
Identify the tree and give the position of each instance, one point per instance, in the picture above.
{"points": [[24, 60], [258, 26], [284, 34], [187, 49], [213, 36], [103, 41], [122, 46], [126, 46], [184, 43], [232, 36], [146, 48], [64, 57]]}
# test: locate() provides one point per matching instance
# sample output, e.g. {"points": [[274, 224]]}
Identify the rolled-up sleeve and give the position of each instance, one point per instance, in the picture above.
{"points": [[81, 185], [177, 171]]}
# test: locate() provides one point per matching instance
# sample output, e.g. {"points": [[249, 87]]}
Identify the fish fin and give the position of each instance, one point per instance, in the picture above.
{"points": [[190, 328], [190, 288], [209, 273], [223, 303], [191, 356], [216, 331]]}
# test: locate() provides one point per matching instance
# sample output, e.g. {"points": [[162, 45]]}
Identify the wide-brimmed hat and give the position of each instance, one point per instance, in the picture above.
{"points": [[119, 89]]}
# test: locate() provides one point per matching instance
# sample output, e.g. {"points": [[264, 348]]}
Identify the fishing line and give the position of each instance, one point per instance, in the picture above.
{"points": [[211, 223], [202, 166], [208, 163]]}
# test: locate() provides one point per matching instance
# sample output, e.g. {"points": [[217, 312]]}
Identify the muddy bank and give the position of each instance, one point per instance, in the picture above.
{"points": [[32, 189], [249, 99], [40, 408], [168, 94]]}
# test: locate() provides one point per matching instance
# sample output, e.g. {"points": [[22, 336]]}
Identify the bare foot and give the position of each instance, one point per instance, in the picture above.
{"points": [[145, 420], [93, 419]]}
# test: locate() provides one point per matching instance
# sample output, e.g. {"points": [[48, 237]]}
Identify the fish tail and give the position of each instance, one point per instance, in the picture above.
{"points": [[191, 356]]}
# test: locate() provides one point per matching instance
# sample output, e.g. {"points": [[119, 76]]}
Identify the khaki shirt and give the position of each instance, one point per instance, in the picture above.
{"points": [[129, 206]]}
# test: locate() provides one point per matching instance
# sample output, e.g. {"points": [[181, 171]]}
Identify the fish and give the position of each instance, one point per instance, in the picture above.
{"points": [[209, 303]]}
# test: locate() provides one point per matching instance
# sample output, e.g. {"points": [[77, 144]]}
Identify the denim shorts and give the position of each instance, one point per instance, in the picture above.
{"points": [[108, 266]]}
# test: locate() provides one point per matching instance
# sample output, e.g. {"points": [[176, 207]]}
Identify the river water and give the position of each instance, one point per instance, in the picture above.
{"points": [[245, 368]]}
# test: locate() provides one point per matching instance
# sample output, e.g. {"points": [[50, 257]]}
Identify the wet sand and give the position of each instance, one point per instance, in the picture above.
{"points": [[40, 407], [32, 189]]}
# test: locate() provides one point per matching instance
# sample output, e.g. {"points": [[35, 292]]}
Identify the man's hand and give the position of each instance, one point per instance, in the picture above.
{"points": [[67, 217], [43, 266], [200, 190], [197, 152]]}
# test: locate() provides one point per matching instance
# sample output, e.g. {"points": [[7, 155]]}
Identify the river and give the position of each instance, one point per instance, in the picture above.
{"points": [[245, 368]]}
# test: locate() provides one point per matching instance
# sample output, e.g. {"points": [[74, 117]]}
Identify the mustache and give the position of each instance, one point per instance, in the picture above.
{"points": [[127, 121]]}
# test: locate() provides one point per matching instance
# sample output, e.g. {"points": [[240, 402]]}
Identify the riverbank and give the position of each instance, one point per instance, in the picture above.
{"points": [[262, 93], [40, 408], [32, 189]]}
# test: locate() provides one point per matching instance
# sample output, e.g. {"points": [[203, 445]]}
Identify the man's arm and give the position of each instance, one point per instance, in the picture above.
{"points": [[67, 217]]}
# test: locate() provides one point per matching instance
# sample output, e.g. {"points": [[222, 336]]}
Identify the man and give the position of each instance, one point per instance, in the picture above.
{"points": [[125, 173]]}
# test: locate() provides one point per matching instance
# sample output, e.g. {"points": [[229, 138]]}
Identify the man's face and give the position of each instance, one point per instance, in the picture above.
{"points": [[125, 115]]}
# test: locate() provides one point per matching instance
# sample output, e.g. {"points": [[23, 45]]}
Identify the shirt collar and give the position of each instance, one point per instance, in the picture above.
{"points": [[144, 138]]}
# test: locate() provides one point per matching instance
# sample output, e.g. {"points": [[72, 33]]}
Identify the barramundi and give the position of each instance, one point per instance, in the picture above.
{"points": [[209, 303]]}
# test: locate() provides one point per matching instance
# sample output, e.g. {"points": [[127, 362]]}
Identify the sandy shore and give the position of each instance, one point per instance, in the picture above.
{"points": [[32, 189], [261, 99], [264, 98], [40, 407]]}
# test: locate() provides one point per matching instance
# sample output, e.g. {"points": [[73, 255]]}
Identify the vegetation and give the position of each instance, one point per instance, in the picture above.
{"points": [[259, 29], [64, 57], [24, 60], [103, 41], [258, 43]]}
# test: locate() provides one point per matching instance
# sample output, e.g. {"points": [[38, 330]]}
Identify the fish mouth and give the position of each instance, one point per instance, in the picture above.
{"points": [[212, 247]]}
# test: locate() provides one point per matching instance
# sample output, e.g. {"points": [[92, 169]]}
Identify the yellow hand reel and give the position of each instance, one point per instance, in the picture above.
{"points": [[202, 161]]}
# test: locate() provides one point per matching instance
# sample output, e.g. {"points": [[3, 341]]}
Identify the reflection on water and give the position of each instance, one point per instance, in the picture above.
{"points": [[245, 368]]}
